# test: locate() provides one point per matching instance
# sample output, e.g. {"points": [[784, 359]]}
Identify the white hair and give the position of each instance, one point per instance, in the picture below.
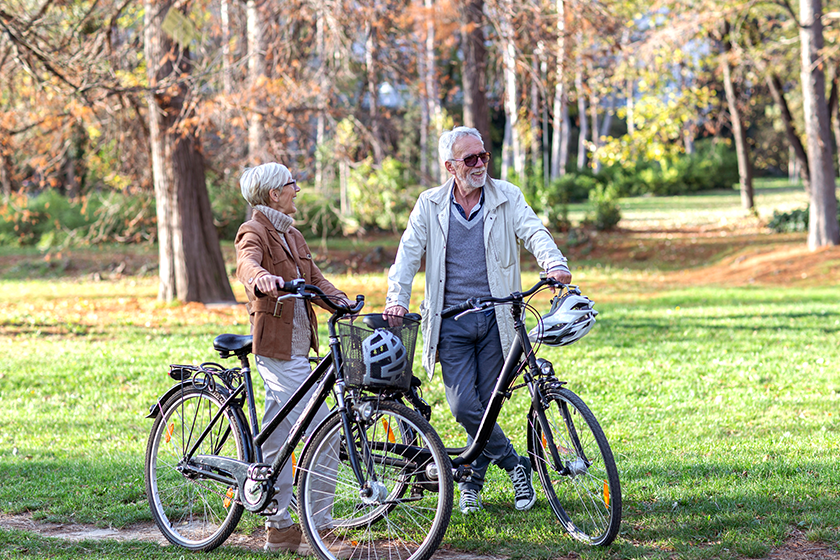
{"points": [[257, 182], [448, 139]]}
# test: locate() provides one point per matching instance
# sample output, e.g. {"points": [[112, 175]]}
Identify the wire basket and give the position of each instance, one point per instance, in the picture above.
{"points": [[377, 364]]}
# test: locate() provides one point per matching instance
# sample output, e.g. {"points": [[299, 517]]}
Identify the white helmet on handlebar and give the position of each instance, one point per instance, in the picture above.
{"points": [[385, 358], [570, 318]]}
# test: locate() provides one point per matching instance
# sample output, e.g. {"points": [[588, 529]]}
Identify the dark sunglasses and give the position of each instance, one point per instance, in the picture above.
{"points": [[472, 159]]}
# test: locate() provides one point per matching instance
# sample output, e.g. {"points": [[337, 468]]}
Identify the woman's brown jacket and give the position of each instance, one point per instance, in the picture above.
{"points": [[260, 251]]}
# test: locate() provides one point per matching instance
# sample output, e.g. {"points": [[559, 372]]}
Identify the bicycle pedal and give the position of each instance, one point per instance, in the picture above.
{"points": [[269, 511], [463, 473], [260, 472]]}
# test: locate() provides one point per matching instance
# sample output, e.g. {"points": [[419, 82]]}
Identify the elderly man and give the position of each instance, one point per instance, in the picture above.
{"points": [[469, 229]]}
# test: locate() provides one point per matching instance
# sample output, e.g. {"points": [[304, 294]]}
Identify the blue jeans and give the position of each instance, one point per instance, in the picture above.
{"points": [[471, 359]]}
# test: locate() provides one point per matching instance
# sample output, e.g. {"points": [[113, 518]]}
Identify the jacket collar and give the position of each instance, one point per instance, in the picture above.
{"points": [[272, 232], [492, 197]]}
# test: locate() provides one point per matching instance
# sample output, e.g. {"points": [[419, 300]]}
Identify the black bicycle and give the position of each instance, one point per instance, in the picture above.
{"points": [[373, 480], [567, 446]]}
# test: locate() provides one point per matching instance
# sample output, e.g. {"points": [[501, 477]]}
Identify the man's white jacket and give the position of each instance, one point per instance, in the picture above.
{"points": [[507, 220]]}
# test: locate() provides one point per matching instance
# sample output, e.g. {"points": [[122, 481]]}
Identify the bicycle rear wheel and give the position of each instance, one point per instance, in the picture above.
{"points": [[578, 475], [404, 508], [191, 510]]}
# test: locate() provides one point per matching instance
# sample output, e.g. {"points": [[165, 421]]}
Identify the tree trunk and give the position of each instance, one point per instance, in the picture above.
{"points": [[777, 92], [5, 176], [511, 150], [544, 123], [584, 123], [594, 102], [320, 119], [191, 263], [257, 154], [434, 110], [373, 94], [823, 229], [474, 69], [534, 140], [833, 115], [560, 118], [738, 131], [226, 58]]}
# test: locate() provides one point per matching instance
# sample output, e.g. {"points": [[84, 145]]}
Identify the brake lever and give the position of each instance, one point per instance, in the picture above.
{"points": [[479, 307]]}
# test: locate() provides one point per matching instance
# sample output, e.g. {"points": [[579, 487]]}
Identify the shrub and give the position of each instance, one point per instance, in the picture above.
{"points": [[607, 212], [318, 214], [50, 219], [793, 221], [381, 197], [228, 205], [711, 166], [554, 199]]}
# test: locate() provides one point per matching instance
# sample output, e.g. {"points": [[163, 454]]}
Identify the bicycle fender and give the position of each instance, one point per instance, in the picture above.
{"points": [[155, 409]]}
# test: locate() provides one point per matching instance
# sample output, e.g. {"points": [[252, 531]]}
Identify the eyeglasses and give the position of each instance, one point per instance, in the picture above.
{"points": [[292, 182], [472, 159]]}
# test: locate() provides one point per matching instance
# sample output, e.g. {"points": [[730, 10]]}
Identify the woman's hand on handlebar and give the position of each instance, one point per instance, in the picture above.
{"points": [[269, 284], [394, 314]]}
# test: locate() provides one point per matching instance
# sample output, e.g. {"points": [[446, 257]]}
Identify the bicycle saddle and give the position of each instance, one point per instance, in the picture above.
{"points": [[377, 321], [227, 344]]}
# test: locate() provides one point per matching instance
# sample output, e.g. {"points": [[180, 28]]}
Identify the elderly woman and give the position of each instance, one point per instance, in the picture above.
{"points": [[270, 251]]}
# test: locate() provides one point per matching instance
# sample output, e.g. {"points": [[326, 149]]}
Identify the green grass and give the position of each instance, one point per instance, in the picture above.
{"points": [[703, 208], [721, 405]]}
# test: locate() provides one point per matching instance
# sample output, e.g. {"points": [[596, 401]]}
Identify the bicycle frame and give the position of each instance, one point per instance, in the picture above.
{"points": [[510, 370], [214, 467]]}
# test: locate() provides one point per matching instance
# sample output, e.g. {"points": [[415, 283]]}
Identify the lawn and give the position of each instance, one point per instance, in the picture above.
{"points": [[715, 380]]}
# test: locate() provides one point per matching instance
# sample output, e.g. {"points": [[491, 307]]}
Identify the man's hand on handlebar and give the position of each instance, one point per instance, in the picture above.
{"points": [[562, 276], [394, 314], [269, 284]]}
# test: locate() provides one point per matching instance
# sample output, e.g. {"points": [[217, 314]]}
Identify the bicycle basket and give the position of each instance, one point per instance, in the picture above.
{"points": [[376, 355]]}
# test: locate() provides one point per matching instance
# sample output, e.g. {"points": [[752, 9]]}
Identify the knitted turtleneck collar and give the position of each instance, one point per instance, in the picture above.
{"points": [[282, 222]]}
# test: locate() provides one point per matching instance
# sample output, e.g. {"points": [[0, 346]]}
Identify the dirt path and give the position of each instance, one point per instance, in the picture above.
{"points": [[796, 547], [148, 532]]}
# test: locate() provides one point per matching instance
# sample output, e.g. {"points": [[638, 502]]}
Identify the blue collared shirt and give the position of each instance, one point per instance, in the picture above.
{"points": [[475, 210]]}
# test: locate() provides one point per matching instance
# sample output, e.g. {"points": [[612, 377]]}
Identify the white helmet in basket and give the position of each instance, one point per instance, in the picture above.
{"points": [[570, 318], [385, 357]]}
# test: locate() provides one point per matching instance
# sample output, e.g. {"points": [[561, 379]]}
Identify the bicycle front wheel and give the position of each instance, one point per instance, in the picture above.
{"points": [[576, 468], [190, 509], [401, 510]]}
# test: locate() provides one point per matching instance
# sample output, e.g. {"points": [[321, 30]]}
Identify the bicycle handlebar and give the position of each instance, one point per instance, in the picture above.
{"points": [[299, 288], [477, 304]]}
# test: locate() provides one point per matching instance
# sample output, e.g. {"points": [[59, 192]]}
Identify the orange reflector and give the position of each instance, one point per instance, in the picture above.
{"points": [[391, 437], [231, 492], [294, 463], [606, 494], [544, 442], [169, 429]]}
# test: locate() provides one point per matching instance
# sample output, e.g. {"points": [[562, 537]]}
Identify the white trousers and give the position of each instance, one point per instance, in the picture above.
{"points": [[281, 379]]}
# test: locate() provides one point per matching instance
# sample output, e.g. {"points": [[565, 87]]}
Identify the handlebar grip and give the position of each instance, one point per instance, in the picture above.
{"points": [[455, 309], [292, 286]]}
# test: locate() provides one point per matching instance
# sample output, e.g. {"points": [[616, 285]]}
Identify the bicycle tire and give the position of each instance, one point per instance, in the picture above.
{"points": [[195, 512], [586, 498], [392, 523]]}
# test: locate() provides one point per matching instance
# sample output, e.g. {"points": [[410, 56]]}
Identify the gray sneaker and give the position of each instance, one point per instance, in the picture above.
{"points": [[523, 488], [469, 501]]}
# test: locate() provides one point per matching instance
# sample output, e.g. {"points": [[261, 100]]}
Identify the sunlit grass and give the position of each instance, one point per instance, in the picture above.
{"points": [[721, 406], [721, 403]]}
